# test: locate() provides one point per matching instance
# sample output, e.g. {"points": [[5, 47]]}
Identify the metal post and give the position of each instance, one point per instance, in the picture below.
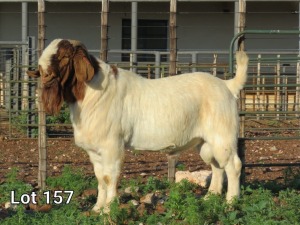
{"points": [[134, 36], [194, 61], [157, 65], [42, 115]]}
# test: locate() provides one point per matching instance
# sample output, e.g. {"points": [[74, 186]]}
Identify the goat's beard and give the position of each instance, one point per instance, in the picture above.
{"points": [[52, 97]]}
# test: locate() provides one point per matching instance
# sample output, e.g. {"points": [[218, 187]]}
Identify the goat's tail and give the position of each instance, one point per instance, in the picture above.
{"points": [[237, 83]]}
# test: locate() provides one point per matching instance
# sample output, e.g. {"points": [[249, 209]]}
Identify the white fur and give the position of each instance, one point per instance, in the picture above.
{"points": [[45, 60], [125, 110]]}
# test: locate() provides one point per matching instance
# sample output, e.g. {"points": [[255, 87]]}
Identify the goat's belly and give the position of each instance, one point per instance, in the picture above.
{"points": [[169, 148]]}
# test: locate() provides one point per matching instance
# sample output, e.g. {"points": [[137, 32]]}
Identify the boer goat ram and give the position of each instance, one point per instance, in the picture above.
{"points": [[113, 109]]}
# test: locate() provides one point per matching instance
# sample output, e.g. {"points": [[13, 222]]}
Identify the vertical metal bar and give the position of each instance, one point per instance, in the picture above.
{"points": [[42, 175], [264, 108], [134, 36], [214, 72], [104, 30], [157, 65], [173, 37], [278, 103], [258, 88], [285, 99], [194, 61], [15, 67]]}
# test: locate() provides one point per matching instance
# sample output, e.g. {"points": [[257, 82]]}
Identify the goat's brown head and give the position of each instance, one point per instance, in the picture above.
{"points": [[64, 67]]}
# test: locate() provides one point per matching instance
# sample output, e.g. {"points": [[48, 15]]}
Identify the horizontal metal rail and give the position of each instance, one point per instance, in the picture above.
{"points": [[237, 36]]}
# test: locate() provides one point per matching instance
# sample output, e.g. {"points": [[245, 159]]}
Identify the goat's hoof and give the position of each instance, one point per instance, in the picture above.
{"points": [[100, 210]]}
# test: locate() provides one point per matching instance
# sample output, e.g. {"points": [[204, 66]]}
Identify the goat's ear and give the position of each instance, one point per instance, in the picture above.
{"points": [[84, 69], [33, 73]]}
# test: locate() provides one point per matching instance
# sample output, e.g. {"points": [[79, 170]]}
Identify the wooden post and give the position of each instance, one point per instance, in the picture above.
{"points": [[297, 101], [41, 112], [172, 160], [173, 37], [104, 30], [241, 23], [241, 46], [241, 144]]}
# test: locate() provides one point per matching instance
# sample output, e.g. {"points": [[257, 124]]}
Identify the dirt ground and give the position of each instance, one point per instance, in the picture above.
{"points": [[23, 154]]}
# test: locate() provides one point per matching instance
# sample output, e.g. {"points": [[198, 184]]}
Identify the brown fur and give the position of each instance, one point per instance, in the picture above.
{"points": [[115, 70], [70, 68], [52, 97]]}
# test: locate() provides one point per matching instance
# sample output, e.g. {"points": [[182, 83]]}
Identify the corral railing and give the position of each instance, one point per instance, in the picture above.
{"points": [[17, 91], [271, 93], [270, 101]]}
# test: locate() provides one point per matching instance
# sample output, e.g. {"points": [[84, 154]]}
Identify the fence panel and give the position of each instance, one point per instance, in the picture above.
{"points": [[270, 105], [17, 91]]}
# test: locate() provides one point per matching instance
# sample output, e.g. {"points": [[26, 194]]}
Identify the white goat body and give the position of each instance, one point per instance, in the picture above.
{"points": [[118, 109]]}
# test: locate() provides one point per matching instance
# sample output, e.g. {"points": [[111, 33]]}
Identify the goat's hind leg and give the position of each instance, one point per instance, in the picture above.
{"points": [[233, 172], [217, 178]]}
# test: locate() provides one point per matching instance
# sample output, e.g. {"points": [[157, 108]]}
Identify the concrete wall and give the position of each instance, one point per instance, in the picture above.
{"points": [[201, 26]]}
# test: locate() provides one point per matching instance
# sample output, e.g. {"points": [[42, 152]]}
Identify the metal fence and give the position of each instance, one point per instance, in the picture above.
{"points": [[269, 104], [17, 91], [270, 95]]}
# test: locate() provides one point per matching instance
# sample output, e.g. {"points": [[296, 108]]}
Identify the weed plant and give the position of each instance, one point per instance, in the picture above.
{"points": [[13, 184], [258, 204]]}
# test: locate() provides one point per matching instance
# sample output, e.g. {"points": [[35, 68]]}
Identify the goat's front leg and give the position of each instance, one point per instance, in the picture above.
{"points": [[107, 164]]}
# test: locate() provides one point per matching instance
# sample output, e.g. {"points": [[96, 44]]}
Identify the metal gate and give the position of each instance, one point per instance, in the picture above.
{"points": [[271, 97], [17, 91]]}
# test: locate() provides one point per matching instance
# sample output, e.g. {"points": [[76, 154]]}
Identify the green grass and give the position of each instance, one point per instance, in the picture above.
{"points": [[259, 203]]}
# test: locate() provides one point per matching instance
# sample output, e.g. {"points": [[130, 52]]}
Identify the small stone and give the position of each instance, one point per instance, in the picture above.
{"points": [[130, 190], [148, 199], [273, 148], [134, 202], [264, 158], [201, 178], [7, 205]]}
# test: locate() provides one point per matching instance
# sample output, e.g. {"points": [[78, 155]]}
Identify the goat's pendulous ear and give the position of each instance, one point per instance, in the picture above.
{"points": [[33, 73], [84, 69]]}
